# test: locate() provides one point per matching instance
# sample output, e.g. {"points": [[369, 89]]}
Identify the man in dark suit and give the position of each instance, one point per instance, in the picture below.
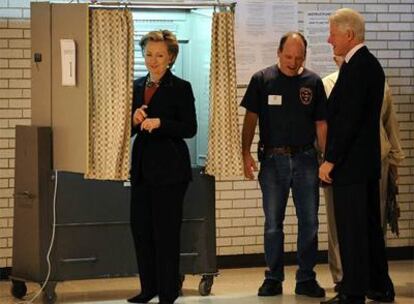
{"points": [[353, 165]]}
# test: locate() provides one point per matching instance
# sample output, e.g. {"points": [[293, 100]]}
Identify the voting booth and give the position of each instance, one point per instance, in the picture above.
{"points": [[67, 226]]}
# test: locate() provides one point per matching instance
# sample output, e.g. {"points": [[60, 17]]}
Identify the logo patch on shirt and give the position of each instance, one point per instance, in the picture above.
{"points": [[305, 95]]}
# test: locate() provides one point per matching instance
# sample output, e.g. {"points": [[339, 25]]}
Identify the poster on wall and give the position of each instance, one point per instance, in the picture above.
{"points": [[259, 25], [319, 57]]}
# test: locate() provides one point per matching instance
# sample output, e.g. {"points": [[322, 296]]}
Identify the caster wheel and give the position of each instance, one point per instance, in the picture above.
{"points": [[204, 288], [18, 289]]}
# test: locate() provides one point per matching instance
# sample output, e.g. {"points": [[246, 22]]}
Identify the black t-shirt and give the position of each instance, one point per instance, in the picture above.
{"points": [[287, 106]]}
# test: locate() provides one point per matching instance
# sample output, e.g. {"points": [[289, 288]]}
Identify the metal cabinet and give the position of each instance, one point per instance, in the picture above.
{"points": [[92, 232]]}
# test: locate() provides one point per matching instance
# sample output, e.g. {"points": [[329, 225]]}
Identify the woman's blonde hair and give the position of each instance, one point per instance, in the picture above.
{"points": [[162, 35]]}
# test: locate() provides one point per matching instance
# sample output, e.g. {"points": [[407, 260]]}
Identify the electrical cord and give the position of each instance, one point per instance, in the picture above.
{"points": [[52, 240]]}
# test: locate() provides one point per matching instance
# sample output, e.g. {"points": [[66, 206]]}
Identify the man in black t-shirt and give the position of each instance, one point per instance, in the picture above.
{"points": [[289, 101]]}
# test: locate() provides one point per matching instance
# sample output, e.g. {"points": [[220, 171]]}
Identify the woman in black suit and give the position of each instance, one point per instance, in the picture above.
{"points": [[163, 114]]}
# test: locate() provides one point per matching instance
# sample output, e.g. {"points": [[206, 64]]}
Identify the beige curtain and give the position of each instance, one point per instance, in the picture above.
{"points": [[111, 66], [224, 158]]}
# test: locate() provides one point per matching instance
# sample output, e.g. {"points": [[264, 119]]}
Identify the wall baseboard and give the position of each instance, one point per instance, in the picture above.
{"points": [[4, 273], [257, 260]]}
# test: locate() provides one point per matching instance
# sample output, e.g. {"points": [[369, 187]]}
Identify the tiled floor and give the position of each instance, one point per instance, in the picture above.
{"points": [[232, 286]]}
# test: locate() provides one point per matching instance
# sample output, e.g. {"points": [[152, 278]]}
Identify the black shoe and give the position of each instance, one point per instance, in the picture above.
{"points": [[337, 287], [270, 288], [335, 300], [310, 288], [343, 299], [379, 296], [142, 298]]}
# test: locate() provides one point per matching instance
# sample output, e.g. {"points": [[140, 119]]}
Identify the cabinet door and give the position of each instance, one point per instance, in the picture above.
{"points": [[93, 251], [198, 231]]}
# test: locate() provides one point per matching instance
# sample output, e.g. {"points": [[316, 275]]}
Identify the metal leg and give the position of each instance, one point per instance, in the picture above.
{"points": [[180, 284], [49, 294]]}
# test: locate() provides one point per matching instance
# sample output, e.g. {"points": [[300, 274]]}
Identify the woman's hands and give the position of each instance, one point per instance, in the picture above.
{"points": [[150, 124], [140, 117]]}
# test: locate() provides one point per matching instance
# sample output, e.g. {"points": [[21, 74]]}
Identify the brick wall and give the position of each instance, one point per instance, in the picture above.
{"points": [[14, 109], [390, 35]]}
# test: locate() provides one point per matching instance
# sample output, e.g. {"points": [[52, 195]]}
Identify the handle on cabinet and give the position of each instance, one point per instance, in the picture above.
{"points": [[24, 194], [80, 260]]}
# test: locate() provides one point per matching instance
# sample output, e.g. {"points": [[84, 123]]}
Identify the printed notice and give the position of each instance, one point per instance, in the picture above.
{"points": [[259, 26], [319, 57]]}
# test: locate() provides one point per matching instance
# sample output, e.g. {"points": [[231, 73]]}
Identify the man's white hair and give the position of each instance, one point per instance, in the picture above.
{"points": [[349, 19]]}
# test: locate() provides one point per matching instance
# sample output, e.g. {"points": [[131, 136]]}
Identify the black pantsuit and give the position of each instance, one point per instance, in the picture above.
{"points": [[160, 173], [156, 221]]}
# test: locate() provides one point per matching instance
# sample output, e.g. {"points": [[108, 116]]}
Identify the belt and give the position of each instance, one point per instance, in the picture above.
{"points": [[287, 150]]}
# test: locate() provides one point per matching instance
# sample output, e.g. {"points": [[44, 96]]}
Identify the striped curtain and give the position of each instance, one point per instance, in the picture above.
{"points": [[110, 98], [224, 157]]}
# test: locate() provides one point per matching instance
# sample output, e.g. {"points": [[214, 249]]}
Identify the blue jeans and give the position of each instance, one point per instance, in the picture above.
{"points": [[279, 173]]}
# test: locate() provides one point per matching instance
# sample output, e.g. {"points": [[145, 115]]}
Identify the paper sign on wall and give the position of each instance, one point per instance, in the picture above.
{"points": [[68, 57]]}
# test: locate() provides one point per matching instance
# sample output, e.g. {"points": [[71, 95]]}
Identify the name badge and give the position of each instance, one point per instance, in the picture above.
{"points": [[274, 100]]}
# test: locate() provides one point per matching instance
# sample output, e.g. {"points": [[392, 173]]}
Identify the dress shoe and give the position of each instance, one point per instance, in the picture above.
{"points": [[309, 288], [270, 288], [343, 299], [386, 297], [337, 287], [142, 298]]}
